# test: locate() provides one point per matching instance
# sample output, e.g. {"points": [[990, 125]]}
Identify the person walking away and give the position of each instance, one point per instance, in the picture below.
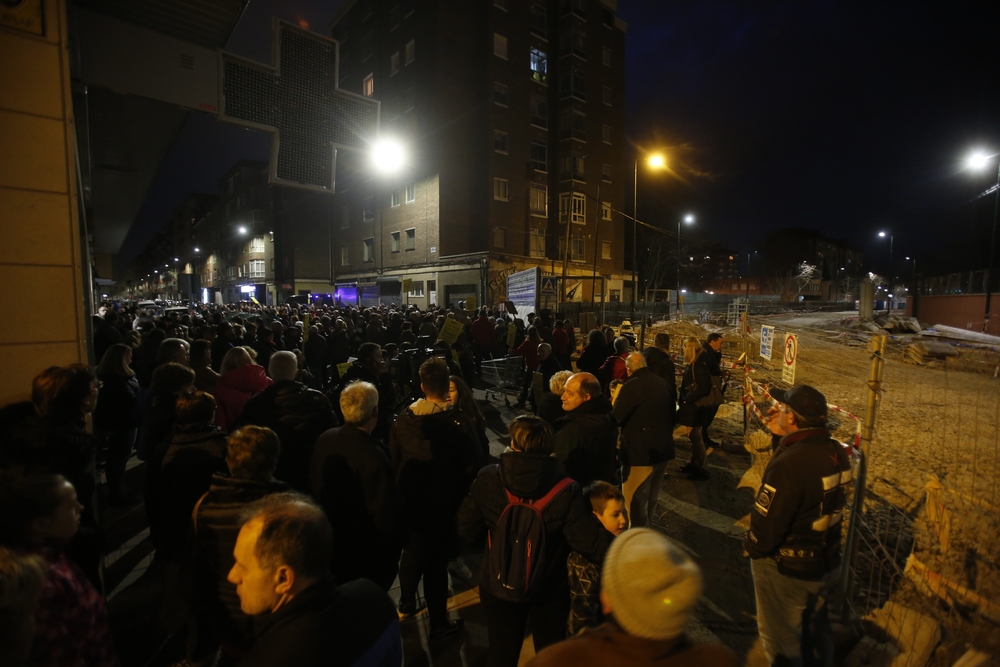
{"points": [[529, 351], [695, 384], [481, 333], [713, 359]]}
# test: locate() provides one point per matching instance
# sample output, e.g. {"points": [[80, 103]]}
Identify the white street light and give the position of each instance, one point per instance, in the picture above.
{"points": [[979, 161], [243, 230], [196, 250], [387, 156]]}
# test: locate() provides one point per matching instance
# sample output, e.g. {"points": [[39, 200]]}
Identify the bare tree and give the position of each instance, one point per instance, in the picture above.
{"points": [[789, 283]]}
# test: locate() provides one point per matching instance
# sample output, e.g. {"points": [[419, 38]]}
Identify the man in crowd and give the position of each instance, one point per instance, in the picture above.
{"points": [[644, 412], [795, 529], [481, 333], [713, 356], [351, 477], [301, 617], [548, 366], [586, 437], [659, 362], [295, 412], [372, 368]]}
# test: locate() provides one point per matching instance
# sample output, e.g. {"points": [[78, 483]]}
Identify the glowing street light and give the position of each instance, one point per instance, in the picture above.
{"points": [[688, 219], [656, 161], [243, 230], [978, 161], [883, 235], [196, 250], [387, 156]]}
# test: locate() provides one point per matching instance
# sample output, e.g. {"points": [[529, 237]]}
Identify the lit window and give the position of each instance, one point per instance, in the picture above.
{"points": [[257, 244], [394, 63], [499, 237], [606, 134], [499, 141], [499, 94], [605, 210], [605, 249], [411, 239], [411, 192], [368, 86], [606, 57], [573, 205], [606, 95], [539, 65], [345, 254], [537, 242], [606, 173], [369, 253], [417, 288], [410, 51], [256, 268], [539, 155], [499, 46], [369, 208], [394, 198], [500, 189], [395, 241], [538, 196]]}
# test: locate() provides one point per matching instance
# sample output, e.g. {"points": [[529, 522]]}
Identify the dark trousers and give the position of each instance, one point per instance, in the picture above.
{"points": [[119, 451], [704, 429], [426, 556], [481, 352], [507, 621]]}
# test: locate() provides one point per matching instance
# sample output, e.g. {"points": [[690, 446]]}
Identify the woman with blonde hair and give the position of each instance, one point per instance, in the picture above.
{"points": [[241, 379], [696, 384], [114, 421], [550, 405]]}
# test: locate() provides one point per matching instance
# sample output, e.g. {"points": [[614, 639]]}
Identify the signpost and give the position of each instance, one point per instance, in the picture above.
{"points": [[791, 352], [549, 285], [766, 342], [522, 291]]}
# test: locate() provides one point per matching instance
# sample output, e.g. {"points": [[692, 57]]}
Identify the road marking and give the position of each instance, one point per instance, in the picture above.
{"points": [[707, 518]]}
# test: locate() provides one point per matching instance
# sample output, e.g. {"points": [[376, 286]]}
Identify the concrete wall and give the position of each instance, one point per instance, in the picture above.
{"points": [[40, 265], [964, 311]]}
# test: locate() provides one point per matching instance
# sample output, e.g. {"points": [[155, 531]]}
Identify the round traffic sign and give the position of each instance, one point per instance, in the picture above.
{"points": [[791, 349]]}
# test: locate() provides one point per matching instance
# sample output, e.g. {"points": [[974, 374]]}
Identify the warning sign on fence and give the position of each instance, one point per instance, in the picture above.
{"points": [[766, 341], [791, 352]]}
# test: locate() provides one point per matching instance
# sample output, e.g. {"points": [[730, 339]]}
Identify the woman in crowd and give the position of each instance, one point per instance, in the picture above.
{"points": [[170, 380], [460, 396], [114, 417], [241, 379], [593, 354], [550, 405]]}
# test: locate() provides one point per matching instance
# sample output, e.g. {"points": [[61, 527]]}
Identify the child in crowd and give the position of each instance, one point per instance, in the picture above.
{"points": [[608, 504]]}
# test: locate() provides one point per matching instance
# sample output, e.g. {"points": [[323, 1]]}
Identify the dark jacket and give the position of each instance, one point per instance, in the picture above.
{"points": [[298, 415], [587, 442], [329, 626], [802, 498], [548, 368], [591, 359], [570, 524], [612, 369], [609, 646], [386, 396], [695, 384], [550, 408], [436, 457], [660, 363], [116, 403], [351, 477], [644, 412], [265, 349], [177, 474], [216, 527]]}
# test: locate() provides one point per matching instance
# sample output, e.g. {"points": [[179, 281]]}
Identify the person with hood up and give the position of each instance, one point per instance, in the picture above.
{"points": [[586, 438], [241, 380]]}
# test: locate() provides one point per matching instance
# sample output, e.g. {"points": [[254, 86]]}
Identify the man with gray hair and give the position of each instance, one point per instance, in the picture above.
{"points": [[351, 477], [613, 367], [644, 412], [295, 412]]}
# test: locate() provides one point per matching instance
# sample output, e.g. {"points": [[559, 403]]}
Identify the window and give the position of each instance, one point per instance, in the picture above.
{"points": [[499, 141], [606, 95], [499, 94], [411, 239], [395, 241], [394, 198], [409, 99], [605, 210], [606, 172], [410, 51], [417, 288], [573, 124], [256, 268], [538, 23], [571, 167], [539, 111], [536, 241], [500, 4], [499, 46], [614, 295], [539, 156], [394, 63], [573, 205], [574, 40], [366, 47], [605, 249], [578, 7], [500, 189], [577, 247], [606, 57], [369, 208], [257, 244], [607, 17], [539, 65], [393, 17], [368, 86], [538, 199], [345, 254], [499, 237], [411, 192], [345, 219], [606, 134], [572, 83], [369, 252]]}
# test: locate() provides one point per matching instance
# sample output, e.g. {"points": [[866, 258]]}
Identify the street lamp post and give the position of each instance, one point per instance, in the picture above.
{"points": [[657, 162], [979, 161], [689, 219], [890, 292]]}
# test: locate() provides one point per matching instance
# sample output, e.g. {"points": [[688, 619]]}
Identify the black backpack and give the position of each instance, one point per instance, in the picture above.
{"points": [[516, 547]]}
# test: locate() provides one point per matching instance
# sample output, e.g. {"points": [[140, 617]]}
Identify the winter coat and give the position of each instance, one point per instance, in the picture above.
{"points": [[298, 415], [548, 368], [613, 369], [587, 442], [660, 363], [265, 349], [646, 415], [205, 379], [386, 396], [695, 384], [560, 341], [570, 523], [338, 348], [233, 391], [351, 476], [591, 359], [550, 408], [609, 646], [216, 527], [436, 455], [329, 626], [116, 403], [529, 350], [481, 331]]}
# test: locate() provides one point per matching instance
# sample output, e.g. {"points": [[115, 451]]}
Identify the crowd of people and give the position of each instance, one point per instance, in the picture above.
{"points": [[299, 461]]}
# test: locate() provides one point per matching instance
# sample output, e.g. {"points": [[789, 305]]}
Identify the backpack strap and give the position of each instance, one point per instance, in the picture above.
{"points": [[542, 502], [194, 513]]}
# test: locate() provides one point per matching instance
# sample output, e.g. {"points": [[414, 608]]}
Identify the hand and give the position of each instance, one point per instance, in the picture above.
{"points": [[773, 421]]}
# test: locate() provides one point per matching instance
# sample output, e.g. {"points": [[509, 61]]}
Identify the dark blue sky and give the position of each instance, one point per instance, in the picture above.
{"points": [[848, 117]]}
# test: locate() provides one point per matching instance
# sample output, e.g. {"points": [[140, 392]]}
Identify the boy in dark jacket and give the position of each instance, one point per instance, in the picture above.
{"points": [[529, 471]]}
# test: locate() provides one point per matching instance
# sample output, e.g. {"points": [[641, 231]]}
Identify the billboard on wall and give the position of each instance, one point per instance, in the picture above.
{"points": [[522, 291]]}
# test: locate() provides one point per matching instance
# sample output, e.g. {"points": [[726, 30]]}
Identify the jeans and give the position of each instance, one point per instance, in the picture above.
{"points": [[697, 448], [507, 621], [425, 556], [642, 491], [792, 631]]}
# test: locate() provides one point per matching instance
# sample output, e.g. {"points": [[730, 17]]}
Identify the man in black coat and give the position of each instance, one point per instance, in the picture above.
{"points": [[586, 438], [351, 477], [658, 361], [301, 617], [644, 412], [712, 351], [548, 366], [372, 367], [298, 414]]}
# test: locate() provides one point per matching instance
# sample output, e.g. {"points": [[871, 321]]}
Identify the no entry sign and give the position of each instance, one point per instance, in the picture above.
{"points": [[791, 352]]}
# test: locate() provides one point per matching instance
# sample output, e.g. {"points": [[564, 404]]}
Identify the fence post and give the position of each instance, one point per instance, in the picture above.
{"points": [[745, 333], [846, 580]]}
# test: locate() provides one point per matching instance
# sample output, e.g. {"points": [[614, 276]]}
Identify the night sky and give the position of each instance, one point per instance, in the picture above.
{"points": [[847, 117]]}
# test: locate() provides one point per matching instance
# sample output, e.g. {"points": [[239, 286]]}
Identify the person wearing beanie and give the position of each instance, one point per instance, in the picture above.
{"points": [[649, 590]]}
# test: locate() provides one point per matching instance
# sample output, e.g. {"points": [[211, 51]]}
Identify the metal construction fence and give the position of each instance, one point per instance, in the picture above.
{"points": [[922, 550]]}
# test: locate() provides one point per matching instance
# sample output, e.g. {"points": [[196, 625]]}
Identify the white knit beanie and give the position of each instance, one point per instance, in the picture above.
{"points": [[651, 584]]}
